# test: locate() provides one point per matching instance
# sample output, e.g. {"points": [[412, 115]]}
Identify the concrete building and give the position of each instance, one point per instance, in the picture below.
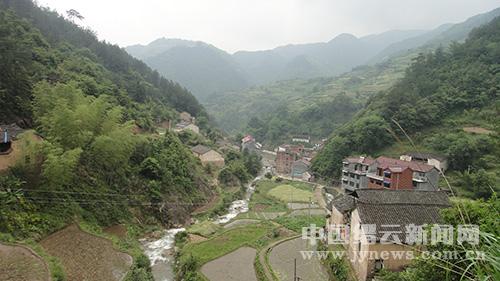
{"points": [[354, 171], [391, 173], [208, 156]]}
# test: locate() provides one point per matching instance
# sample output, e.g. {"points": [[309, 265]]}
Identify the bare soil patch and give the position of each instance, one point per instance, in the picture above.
{"points": [[194, 238], [86, 256], [235, 266], [477, 130], [18, 263], [282, 258]]}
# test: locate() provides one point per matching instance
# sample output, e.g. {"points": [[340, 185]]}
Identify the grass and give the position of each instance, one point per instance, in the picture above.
{"points": [[261, 201], [296, 223], [226, 242], [288, 193], [205, 228]]}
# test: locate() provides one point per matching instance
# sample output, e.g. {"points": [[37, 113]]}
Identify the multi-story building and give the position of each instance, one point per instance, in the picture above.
{"points": [[284, 160], [354, 172], [391, 173]]}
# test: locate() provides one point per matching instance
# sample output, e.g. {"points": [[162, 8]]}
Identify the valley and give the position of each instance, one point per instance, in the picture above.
{"points": [[177, 160]]}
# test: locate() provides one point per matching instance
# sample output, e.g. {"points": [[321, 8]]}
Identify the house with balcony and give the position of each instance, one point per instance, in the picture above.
{"points": [[390, 173], [354, 171]]}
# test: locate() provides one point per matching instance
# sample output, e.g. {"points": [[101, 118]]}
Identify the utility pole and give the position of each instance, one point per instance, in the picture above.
{"points": [[294, 269]]}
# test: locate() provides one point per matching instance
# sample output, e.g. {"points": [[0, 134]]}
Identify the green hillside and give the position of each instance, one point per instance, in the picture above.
{"points": [[83, 158], [316, 107], [45, 46], [441, 93]]}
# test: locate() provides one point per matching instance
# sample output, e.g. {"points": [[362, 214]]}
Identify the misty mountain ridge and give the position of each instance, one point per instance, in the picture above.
{"points": [[204, 69]]}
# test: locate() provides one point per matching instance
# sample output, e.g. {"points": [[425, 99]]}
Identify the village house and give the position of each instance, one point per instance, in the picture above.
{"points": [[286, 155], [341, 207], [250, 144], [391, 173], [183, 126], [300, 170], [302, 138], [373, 214], [8, 133], [208, 156], [354, 171], [438, 161]]}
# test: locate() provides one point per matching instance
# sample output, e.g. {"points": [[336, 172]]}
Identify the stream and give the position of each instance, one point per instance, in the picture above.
{"points": [[160, 251]]}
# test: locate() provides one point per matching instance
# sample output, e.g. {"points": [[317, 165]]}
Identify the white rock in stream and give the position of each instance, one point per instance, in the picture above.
{"points": [[155, 250], [238, 206]]}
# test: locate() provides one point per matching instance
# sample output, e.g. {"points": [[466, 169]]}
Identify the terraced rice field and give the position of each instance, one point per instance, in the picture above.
{"points": [[288, 193], [18, 263], [235, 266], [87, 257], [282, 258]]}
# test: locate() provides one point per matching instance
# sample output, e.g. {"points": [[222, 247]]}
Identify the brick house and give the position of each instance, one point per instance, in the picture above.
{"points": [[391, 173], [284, 161]]}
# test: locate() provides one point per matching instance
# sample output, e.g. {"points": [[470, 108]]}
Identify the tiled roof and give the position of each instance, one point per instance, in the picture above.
{"points": [[200, 149], [408, 197], [397, 216], [343, 203], [386, 162], [399, 207]]}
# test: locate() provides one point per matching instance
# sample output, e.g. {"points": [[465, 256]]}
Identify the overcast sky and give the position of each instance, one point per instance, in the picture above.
{"points": [[261, 24]]}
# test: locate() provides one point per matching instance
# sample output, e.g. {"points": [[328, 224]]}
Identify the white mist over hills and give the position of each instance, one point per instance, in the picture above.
{"points": [[205, 69]]}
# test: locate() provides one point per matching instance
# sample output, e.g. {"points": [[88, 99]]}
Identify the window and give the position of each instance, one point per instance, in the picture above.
{"points": [[357, 185]]}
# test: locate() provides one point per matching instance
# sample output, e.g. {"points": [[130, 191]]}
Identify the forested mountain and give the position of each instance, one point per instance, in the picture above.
{"points": [[83, 159], [276, 112], [205, 69], [440, 36], [201, 67], [50, 44], [313, 106], [440, 94]]}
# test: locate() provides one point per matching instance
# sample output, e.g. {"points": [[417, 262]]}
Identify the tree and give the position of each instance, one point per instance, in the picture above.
{"points": [[74, 14]]}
